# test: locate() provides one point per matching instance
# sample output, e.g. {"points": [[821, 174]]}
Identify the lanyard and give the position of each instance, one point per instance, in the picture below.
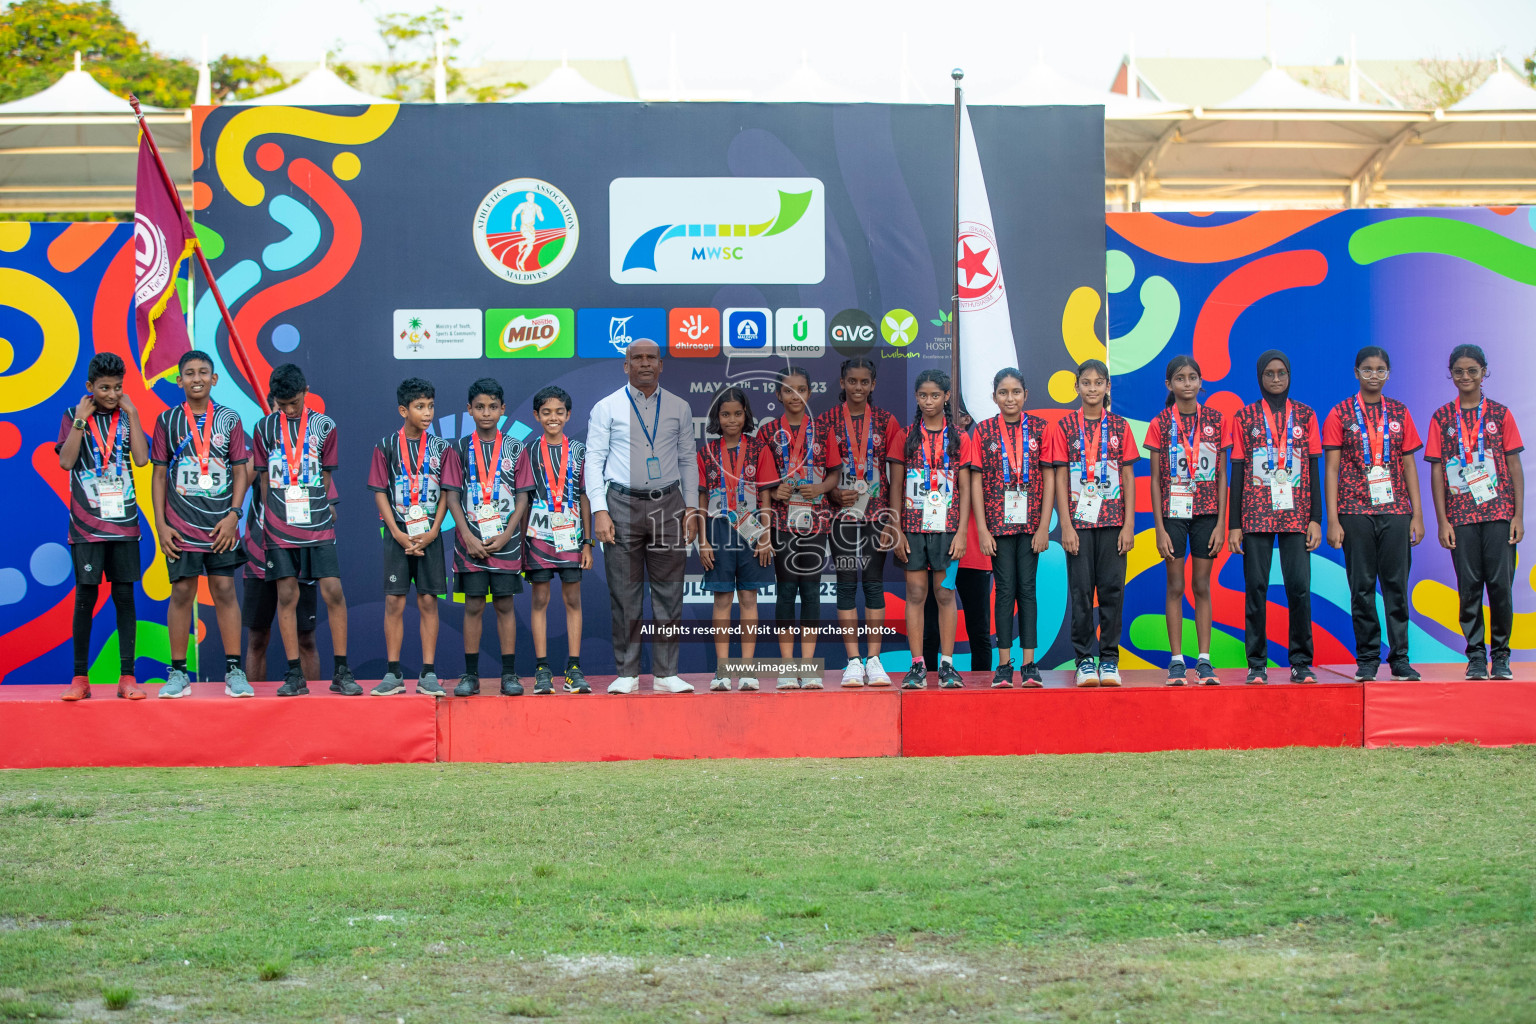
{"points": [[1368, 437], [489, 491], [1461, 429], [650, 435], [928, 458], [737, 473], [1269, 434], [554, 477], [1174, 418], [1100, 466], [102, 450], [793, 450], [295, 456], [414, 481], [1017, 451], [202, 440], [867, 442]]}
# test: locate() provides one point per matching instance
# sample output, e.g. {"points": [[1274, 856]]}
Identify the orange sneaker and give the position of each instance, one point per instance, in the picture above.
{"points": [[129, 689], [79, 689]]}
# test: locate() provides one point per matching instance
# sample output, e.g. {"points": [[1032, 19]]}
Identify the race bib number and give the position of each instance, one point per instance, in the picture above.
{"points": [[1181, 501], [112, 497], [1380, 481], [309, 469], [1015, 507], [1205, 463], [1106, 482], [936, 512], [190, 482]]}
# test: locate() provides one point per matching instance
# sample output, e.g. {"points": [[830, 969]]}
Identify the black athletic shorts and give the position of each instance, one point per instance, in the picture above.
{"points": [[425, 571], [204, 563], [568, 574], [116, 560], [1191, 535], [258, 604], [311, 562], [496, 584], [928, 551]]}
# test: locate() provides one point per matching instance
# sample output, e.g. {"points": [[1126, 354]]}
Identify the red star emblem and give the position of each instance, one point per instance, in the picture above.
{"points": [[973, 264]]}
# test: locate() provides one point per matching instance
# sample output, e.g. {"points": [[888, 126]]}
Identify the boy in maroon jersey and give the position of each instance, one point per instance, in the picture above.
{"points": [[1274, 498], [296, 453], [202, 468], [1478, 485], [100, 440]]}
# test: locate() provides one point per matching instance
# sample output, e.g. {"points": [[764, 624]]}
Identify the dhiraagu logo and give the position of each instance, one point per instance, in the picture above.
{"points": [[717, 230]]}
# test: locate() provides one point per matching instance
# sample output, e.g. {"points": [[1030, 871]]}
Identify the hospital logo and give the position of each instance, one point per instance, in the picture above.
{"points": [[608, 333], [530, 333], [525, 231]]}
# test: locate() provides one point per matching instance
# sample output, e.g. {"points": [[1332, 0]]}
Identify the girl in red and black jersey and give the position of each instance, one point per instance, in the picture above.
{"points": [[1189, 487], [1094, 452], [863, 529], [1275, 499], [793, 478], [1011, 496], [934, 507], [1479, 489], [1373, 509]]}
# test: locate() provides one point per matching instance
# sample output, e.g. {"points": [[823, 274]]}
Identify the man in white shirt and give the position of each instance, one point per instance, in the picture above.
{"points": [[640, 468]]}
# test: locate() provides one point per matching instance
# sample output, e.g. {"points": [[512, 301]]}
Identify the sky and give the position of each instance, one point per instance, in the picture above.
{"points": [[741, 46]]}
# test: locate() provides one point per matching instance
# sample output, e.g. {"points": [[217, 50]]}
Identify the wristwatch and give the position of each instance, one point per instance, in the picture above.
{"points": [[79, 423], [239, 513]]}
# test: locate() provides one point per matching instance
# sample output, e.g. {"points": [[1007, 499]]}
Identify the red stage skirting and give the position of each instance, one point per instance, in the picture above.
{"points": [[209, 729]]}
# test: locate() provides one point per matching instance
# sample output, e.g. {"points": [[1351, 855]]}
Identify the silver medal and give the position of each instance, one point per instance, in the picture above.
{"points": [[417, 512], [935, 498], [861, 487], [205, 481]]}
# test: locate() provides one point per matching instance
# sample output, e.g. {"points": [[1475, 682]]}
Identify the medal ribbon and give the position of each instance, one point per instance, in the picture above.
{"points": [[739, 496], [295, 454], [1016, 451], [489, 491], [1097, 467], [115, 452], [414, 481], [855, 442], [1371, 438], [1189, 447], [794, 451], [202, 440], [1461, 429], [1269, 434], [935, 482], [555, 479]]}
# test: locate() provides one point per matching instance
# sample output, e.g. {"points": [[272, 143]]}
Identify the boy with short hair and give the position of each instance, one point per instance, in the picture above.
{"points": [[411, 469], [97, 438], [559, 533], [202, 468], [296, 453], [488, 556]]}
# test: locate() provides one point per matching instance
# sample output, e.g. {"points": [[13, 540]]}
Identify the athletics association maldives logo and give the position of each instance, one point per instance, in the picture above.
{"points": [[979, 277], [526, 231]]}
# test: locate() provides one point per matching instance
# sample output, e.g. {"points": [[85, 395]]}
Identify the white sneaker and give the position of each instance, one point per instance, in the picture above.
{"points": [[853, 675], [672, 684], [874, 673], [788, 683], [720, 684], [624, 684], [747, 683], [811, 683]]}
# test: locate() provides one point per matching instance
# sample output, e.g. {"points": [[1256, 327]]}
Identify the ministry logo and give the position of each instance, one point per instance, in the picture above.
{"points": [[525, 231]]}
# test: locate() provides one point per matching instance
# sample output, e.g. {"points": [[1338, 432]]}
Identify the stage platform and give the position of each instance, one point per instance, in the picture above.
{"points": [[209, 729]]}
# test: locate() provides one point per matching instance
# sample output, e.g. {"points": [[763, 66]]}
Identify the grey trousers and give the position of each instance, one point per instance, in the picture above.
{"points": [[648, 544]]}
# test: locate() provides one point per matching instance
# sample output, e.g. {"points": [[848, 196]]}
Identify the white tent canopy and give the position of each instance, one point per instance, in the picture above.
{"points": [[1504, 90], [74, 93], [566, 85], [1045, 86], [1276, 90], [319, 88], [807, 86]]}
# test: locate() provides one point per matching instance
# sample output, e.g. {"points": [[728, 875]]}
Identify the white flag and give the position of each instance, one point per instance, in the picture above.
{"points": [[986, 332]]}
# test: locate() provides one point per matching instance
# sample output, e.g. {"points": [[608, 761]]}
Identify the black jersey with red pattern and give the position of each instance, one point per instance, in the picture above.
{"points": [[1391, 422], [804, 454], [1119, 447], [882, 433], [717, 497], [1247, 437], [1027, 438], [1206, 428], [1501, 440]]}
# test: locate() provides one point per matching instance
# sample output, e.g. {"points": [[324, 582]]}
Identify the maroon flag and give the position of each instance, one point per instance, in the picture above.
{"points": [[162, 238]]}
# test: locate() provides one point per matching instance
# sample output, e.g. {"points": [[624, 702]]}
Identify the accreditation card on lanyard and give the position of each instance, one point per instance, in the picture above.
{"points": [[295, 464], [1015, 470], [1377, 476], [799, 513], [487, 513], [652, 464], [417, 521], [1181, 466], [937, 499], [1095, 481], [564, 526], [111, 484], [1280, 496], [861, 473], [1480, 477]]}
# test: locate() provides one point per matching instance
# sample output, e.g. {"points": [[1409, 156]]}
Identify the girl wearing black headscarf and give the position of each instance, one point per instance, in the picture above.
{"points": [[1275, 498]]}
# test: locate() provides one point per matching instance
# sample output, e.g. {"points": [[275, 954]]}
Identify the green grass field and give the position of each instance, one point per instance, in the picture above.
{"points": [[1389, 885]]}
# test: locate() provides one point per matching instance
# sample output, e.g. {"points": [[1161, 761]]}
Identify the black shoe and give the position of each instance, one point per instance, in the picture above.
{"points": [[543, 680], [1257, 677], [575, 681], [949, 679], [1303, 674], [1002, 679], [1405, 673], [1029, 676], [343, 683], [1366, 671], [294, 685], [1205, 674], [916, 678], [1501, 669], [511, 686], [1178, 674], [469, 686], [1477, 669]]}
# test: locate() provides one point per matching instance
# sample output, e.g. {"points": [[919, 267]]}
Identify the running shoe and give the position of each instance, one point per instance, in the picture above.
{"points": [[177, 684]]}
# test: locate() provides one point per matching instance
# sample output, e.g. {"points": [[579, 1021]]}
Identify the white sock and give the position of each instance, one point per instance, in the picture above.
{"points": [[1176, 658], [1205, 655], [945, 659]]}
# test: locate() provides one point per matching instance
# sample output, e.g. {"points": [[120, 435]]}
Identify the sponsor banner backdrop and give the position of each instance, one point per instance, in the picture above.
{"points": [[346, 243]]}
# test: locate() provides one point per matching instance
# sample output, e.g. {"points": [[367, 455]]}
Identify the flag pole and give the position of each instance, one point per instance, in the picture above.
{"points": [[954, 271], [236, 346]]}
